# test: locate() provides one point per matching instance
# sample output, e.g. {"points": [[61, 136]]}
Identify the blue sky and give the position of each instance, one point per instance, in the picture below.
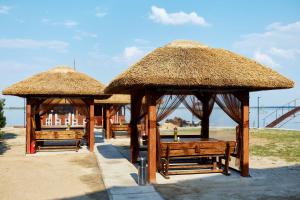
{"points": [[105, 37]]}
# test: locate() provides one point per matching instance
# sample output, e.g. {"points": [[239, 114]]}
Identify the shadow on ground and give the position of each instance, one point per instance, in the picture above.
{"points": [[3, 141], [264, 184], [98, 195]]}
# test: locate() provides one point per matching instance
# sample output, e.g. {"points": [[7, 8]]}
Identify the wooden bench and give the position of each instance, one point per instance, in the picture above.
{"points": [[58, 136], [198, 156]]}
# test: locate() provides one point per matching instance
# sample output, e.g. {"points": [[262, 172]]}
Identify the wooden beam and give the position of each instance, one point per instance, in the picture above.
{"points": [[151, 104], [244, 165], [92, 124], [28, 125]]}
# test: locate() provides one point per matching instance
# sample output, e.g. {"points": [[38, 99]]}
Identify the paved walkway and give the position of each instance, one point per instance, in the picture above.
{"points": [[119, 175]]}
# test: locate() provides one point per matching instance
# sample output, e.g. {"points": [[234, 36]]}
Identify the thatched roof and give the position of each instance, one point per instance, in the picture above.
{"points": [[191, 65], [59, 81], [115, 99]]}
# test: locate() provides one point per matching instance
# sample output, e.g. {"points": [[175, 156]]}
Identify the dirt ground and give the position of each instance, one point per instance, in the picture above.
{"points": [[64, 176]]}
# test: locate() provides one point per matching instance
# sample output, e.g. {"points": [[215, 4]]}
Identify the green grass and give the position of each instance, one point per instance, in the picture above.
{"points": [[277, 143], [282, 144]]}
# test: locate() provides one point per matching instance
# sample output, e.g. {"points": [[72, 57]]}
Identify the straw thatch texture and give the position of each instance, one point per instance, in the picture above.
{"points": [[191, 65], [59, 81], [115, 99]]}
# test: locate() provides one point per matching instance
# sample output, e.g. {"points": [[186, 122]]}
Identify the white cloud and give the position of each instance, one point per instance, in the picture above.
{"points": [[130, 55], [284, 53], [17, 43], [280, 42], [83, 34], [160, 15], [70, 23], [100, 13], [4, 9], [66, 23], [264, 59], [132, 52]]}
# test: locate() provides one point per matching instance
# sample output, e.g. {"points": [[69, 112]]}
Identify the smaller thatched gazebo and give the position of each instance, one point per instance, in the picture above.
{"points": [[184, 68], [111, 107], [46, 89]]}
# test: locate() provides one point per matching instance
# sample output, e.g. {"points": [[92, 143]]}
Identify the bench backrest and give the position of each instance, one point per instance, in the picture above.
{"points": [[202, 148], [59, 135]]}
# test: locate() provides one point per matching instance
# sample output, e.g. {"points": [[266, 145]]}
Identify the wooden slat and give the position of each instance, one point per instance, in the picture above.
{"points": [[191, 152], [180, 135], [58, 147], [192, 166], [118, 127], [194, 171], [60, 135], [194, 144]]}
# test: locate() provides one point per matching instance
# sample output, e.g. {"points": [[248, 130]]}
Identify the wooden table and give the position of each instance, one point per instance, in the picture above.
{"points": [[207, 150]]}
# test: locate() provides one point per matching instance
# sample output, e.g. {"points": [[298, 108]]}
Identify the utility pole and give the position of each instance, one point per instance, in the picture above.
{"points": [[258, 112]]}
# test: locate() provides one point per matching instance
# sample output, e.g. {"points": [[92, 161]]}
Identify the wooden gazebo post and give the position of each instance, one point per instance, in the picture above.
{"points": [[135, 110], [28, 125], [108, 124], [104, 118], [151, 106], [205, 119], [244, 165], [91, 124]]}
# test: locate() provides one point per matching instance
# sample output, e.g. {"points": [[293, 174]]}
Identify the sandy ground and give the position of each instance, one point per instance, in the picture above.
{"points": [[271, 178], [65, 176]]}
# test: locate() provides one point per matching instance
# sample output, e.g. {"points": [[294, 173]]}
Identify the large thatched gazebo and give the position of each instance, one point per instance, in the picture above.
{"points": [[61, 84], [111, 107], [189, 68]]}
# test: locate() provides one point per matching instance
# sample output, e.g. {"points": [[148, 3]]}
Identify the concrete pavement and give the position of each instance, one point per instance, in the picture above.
{"points": [[119, 175]]}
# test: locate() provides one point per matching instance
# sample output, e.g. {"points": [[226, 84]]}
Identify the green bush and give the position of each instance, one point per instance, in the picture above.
{"points": [[2, 117]]}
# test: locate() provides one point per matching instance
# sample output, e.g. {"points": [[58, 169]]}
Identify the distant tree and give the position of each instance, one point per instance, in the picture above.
{"points": [[2, 117]]}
